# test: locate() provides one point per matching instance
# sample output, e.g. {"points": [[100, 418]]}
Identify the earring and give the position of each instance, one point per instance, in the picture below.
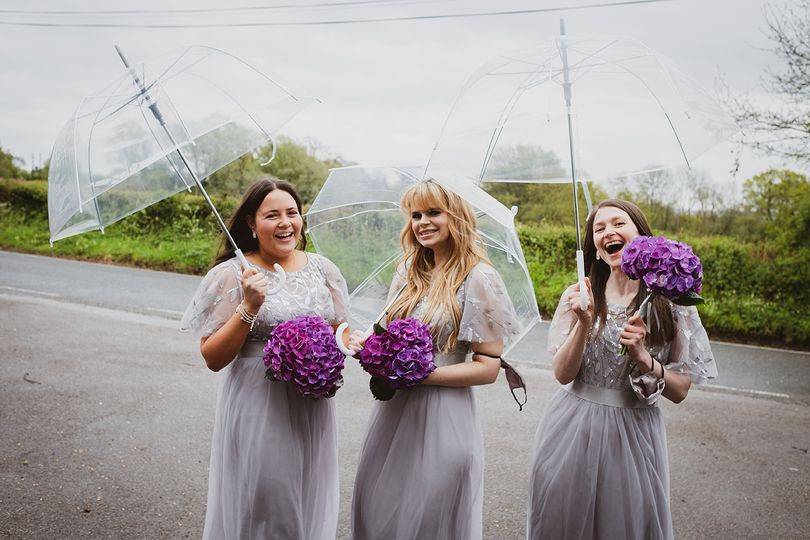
{"points": [[254, 234], [598, 258]]}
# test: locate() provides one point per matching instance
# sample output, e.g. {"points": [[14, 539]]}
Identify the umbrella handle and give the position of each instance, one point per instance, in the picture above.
{"points": [[282, 275], [339, 338], [583, 291], [282, 279]]}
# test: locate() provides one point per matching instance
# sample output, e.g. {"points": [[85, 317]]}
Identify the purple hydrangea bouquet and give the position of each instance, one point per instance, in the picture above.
{"points": [[303, 352], [668, 268], [397, 357]]}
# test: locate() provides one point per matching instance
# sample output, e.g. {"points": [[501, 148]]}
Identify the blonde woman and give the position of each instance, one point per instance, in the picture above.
{"points": [[421, 469]]}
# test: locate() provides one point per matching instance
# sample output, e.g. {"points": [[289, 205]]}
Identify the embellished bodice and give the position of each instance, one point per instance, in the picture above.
{"points": [[602, 365], [305, 293], [487, 314], [317, 289], [440, 336]]}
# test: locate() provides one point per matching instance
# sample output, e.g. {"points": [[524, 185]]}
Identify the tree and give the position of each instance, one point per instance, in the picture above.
{"points": [[782, 199], [783, 130], [293, 163], [10, 165]]}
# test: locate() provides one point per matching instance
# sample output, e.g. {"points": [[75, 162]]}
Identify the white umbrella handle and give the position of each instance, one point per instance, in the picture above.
{"points": [[339, 338], [583, 291], [282, 275], [282, 279]]}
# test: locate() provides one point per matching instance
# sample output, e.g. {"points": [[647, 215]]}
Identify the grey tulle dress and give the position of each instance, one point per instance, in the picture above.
{"points": [[420, 474], [274, 470], [600, 466]]}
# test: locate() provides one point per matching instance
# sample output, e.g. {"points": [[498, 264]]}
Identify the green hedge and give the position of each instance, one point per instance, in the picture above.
{"points": [[755, 292]]}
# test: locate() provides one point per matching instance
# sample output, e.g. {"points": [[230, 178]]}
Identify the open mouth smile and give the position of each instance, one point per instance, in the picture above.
{"points": [[614, 246]]}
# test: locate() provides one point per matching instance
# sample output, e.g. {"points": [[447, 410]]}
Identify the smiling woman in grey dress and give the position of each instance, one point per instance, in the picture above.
{"points": [[273, 471], [600, 466], [420, 474]]}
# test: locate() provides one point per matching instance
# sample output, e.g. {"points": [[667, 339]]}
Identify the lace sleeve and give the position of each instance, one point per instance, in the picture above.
{"points": [[691, 353], [337, 288], [215, 300], [487, 311], [562, 323]]}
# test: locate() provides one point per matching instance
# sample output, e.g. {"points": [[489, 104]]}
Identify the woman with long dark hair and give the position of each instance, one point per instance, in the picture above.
{"points": [[420, 474], [600, 467], [273, 471]]}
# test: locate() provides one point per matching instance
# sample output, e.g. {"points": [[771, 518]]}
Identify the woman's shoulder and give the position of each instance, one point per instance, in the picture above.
{"points": [[324, 265], [226, 267], [484, 270]]}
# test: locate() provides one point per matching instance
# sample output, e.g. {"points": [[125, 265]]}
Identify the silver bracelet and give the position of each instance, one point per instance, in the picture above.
{"points": [[245, 315]]}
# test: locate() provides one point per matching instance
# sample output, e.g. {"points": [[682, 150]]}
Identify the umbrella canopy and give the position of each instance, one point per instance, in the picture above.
{"points": [[633, 111], [356, 221], [157, 129], [576, 109]]}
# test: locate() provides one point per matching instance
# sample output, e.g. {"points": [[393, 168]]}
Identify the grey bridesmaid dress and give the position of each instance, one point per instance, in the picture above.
{"points": [[420, 474], [273, 470], [600, 467]]}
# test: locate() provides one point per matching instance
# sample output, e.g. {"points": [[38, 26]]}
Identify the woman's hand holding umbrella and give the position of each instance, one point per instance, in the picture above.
{"points": [[254, 287], [584, 313]]}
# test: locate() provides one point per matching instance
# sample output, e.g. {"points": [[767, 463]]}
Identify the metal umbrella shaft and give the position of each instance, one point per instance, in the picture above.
{"points": [[583, 295], [153, 107]]}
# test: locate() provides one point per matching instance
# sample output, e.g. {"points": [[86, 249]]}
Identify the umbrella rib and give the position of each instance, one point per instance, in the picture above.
{"points": [[512, 103], [313, 212], [327, 222], [229, 96], [374, 273], [660, 106]]}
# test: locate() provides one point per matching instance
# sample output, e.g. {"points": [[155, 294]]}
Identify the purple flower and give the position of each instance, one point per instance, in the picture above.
{"points": [[402, 355], [666, 267], [303, 351]]}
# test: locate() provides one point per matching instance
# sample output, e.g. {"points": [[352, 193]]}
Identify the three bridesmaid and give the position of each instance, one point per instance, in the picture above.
{"points": [[600, 466]]}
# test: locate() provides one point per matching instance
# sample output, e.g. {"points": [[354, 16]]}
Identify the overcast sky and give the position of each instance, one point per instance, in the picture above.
{"points": [[386, 87]]}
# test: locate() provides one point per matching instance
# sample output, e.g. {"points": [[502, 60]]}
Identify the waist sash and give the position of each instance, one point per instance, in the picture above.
{"points": [[606, 396]]}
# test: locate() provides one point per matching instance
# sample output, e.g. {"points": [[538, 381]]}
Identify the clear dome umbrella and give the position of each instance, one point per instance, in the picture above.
{"points": [[158, 128], [356, 221], [572, 109]]}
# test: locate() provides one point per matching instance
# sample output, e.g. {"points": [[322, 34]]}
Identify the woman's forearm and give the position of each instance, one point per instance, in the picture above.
{"points": [[568, 357], [220, 348], [676, 385], [484, 368], [473, 373]]}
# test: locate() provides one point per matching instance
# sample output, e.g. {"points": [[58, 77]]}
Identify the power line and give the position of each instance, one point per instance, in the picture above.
{"points": [[204, 10], [331, 22]]}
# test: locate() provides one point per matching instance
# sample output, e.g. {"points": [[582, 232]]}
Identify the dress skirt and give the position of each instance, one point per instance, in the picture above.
{"points": [[599, 468], [420, 474], [274, 471]]}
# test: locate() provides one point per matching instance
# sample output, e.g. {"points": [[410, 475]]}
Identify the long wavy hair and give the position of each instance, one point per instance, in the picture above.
{"points": [[239, 223], [439, 290], [660, 324]]}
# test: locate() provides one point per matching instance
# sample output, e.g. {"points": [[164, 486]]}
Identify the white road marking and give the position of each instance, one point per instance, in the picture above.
{"points": [[747, 391], [30, 291]]}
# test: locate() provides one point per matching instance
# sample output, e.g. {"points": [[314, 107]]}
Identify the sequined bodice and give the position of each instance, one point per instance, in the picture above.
{"points": [[459, 353], [304, 293], [601, 363]]}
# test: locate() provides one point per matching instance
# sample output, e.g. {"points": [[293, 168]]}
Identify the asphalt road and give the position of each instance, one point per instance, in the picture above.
{"points": [[761, 371], [106, 418]]}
